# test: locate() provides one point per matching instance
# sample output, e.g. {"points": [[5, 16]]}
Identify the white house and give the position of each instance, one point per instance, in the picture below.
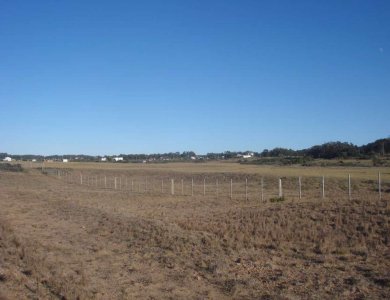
{"points": [[34, 160], [248, 155], [65, 160], [103, 159], [7, 159], [118, 158]]}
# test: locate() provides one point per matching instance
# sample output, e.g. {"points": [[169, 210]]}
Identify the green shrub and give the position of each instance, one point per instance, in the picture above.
{"points": [[277, 199]]}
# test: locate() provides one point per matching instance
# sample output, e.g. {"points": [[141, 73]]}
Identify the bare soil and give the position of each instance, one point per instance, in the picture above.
{"points": [[62, 240]]}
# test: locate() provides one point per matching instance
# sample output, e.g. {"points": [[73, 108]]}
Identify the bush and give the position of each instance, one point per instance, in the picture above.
{"points": [[277, 199]]}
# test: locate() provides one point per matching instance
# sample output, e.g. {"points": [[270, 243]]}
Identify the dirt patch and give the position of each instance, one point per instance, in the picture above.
{"points": [[65, 240]]}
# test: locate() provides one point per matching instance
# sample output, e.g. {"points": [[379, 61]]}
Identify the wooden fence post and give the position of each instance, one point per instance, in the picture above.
{"points": [[262, 189], [231, 188], [216, 184], [246, 188], [115, 183], [182, 186], [300, 187], [280, 188], [379, 186], [204, 186], [323, 187], [172, 186], [192, 186], [349, 187]]}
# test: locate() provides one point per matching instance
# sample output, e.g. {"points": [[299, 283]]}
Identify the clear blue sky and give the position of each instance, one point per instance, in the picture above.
{"points": [[110, 77]]}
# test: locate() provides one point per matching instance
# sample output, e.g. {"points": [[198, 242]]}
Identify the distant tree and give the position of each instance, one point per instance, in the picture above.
{"points": [[3, 155], [265, 153], [229, 154], [278, 152], [379, 147], [187, 154], [333, 150]]}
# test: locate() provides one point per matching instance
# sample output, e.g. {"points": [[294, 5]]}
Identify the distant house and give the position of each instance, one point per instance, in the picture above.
{"points": [[103, 159], [118, 158], [7, 158], [33, 160], [65, 160], [248, 155]]}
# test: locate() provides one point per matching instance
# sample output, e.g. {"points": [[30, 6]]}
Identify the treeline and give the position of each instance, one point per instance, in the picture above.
{"points": [[329, 150], [171, 156]]}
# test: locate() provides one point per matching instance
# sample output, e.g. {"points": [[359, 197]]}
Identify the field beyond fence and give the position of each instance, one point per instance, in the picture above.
{"points": [[232, 185]]}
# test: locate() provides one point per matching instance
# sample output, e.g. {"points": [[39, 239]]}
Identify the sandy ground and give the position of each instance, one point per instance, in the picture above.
{"points": [[70, 241]]}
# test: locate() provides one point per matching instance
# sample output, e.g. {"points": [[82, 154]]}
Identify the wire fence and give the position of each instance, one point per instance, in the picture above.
{"points": [[238, 187]]}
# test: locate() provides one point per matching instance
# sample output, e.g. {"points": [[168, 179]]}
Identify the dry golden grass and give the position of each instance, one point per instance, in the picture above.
{"points": [[60, 239], [223, 167]]}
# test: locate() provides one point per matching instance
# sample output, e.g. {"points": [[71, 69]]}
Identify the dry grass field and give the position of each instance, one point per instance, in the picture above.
{"points": [[60, 239]]}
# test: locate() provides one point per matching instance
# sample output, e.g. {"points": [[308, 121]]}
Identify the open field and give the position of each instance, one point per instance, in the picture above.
{"points": [[220, 168], [63, 239]]}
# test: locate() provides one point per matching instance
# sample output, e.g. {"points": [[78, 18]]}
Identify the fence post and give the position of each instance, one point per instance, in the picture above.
{"points": [[323, 187], [217, 187], [280, 188], [379, 186], [81, 178], [182, 187], [192, 186], [246, 188], [115, 183], [172, 186], [349, 186], [132, 185], [231, 188], [300, 187], [162, 186], [204, 186], [262, 189]]}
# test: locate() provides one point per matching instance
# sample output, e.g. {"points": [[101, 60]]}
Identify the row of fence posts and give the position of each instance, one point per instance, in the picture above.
{"points": [[118, 184]]}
